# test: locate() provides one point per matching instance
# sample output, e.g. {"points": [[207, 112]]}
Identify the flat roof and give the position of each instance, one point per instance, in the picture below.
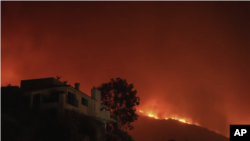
{"points": [[53, 86]]}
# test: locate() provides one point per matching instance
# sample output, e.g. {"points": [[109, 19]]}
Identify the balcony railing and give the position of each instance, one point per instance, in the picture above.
{"points": [[52, 97]]}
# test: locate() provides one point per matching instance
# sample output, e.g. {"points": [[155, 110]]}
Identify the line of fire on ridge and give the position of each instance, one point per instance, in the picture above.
{"points": [[173, 118]]}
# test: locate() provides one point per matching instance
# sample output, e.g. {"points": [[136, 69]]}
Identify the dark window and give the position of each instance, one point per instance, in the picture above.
{"points": [[84, 101], [71, 99], [52, 97]]}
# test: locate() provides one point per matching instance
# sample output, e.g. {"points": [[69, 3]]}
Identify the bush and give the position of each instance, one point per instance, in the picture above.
{"points": [[37, 128], [112, 137], [77, 127], [124, 136]]}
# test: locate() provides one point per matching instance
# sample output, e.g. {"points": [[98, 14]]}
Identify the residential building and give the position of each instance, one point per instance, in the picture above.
{"points": [[58, 99]]}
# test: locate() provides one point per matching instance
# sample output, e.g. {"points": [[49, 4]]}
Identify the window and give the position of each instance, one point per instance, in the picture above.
{"points": [[84, 102], [71, 99], [52, 97]]}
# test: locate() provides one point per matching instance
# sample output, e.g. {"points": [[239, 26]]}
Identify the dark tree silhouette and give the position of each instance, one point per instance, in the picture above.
{"points": [[121, 99]]}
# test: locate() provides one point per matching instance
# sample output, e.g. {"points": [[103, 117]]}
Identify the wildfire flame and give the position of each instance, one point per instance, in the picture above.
{"points": [[141, 111], [166, 118]]}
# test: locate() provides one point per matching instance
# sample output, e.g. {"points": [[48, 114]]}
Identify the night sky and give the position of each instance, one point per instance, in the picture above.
{"points": [[189, 59]]}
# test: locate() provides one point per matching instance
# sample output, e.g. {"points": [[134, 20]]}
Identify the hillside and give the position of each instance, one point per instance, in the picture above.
{"points": [[149, 129]]}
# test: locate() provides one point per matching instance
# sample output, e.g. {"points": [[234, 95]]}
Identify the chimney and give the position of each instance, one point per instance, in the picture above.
{"points": [[96, 94], [77, 85]]}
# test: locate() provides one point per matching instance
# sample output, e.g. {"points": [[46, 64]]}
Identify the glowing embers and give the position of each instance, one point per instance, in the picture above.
{"points": [[150, 115], [183, 120], [140, 111]]}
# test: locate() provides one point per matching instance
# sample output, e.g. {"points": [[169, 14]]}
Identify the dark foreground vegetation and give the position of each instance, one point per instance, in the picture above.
{"points": [[21, 124], [27, 127]]}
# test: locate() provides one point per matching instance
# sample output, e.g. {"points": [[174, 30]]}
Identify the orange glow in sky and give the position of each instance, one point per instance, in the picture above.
{"points": [[192, 58]]}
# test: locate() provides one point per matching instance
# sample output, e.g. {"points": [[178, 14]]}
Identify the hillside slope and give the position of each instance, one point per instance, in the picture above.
{"points": [[149, 129]]}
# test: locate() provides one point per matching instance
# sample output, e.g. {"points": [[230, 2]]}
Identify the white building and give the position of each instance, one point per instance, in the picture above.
{"points": [[56, 97]]}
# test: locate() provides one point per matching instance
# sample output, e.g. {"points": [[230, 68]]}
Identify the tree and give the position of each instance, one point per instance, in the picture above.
{"points": [[120, 97]]}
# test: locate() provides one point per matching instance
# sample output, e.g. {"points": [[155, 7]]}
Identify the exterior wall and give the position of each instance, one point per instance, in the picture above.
{"points": [[62, 104], [96, 94], [105, 115], [81, 108], [92, 109], [43, 106], [57, 105], [91, 106]]}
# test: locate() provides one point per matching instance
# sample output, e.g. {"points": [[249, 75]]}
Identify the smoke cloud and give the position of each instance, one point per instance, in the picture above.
{"points": [[185, 59]]}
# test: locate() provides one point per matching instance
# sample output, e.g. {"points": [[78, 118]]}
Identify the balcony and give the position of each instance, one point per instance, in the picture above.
{"points": [[50, 99], [53, 97]]}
